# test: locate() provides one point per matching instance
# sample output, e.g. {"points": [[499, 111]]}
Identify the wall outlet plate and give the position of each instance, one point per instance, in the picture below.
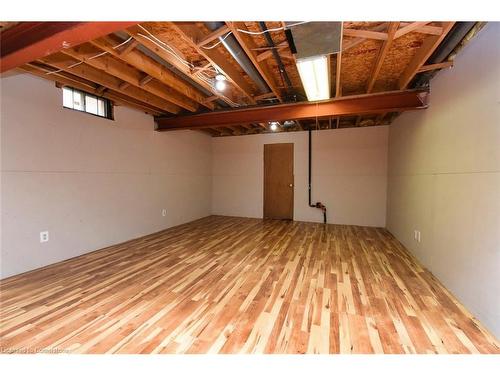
{"points": [[416, 235], [164, 212], [44, 236]]}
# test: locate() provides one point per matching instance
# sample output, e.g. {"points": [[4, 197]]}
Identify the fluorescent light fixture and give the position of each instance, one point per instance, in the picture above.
{"points": [[314, 75]]}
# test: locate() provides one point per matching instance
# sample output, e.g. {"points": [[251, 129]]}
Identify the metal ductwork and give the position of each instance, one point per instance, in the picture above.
{"points": [[314, 38], [240, 56], [450, 42]]}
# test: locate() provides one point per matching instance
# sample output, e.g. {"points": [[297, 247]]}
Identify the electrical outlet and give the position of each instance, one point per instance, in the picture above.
{"points": [[164, 212], [44, 236], [416, 235]]}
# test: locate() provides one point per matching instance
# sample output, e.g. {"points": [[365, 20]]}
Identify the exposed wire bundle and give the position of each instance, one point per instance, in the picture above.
{"points": [[202, 75], [90, 58], [161, 44], [253, 33], [219, 42], [271, 30]]}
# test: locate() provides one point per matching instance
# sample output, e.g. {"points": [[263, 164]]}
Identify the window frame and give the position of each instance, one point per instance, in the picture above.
{"points": [[108, 104]]}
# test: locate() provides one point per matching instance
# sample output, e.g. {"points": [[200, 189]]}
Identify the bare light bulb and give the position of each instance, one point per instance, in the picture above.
{"points": [[220, 82], [274, 126], [220, 85]]}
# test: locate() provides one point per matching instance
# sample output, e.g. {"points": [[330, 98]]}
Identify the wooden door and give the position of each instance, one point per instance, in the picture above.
{"points": [[278, 181]]}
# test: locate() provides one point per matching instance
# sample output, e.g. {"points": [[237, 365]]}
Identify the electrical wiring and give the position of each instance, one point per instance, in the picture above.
{"points": [[68, 67], [202, 75], [123, 43], [98, 55], [184, 62], [219, 42], [208, 80], [199, 68], [90, 58], [162, 45], [270, 30], [231, 102]]}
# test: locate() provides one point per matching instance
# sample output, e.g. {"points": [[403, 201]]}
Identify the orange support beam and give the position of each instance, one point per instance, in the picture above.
{"points": [[395, 101], [29, 41]]}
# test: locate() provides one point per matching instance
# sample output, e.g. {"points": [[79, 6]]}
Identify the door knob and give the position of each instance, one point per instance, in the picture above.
{"points": [[291, 185]]}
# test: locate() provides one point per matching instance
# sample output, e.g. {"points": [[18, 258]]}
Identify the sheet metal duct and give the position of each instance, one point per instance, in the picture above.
{"points": [[450, 42], [234, 48], [316, 38]]}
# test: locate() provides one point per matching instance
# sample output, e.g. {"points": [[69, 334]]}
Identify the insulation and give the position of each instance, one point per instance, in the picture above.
{"points": [[357, 66]]}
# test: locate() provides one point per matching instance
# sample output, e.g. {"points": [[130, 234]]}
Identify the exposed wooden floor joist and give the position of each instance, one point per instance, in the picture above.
{"points": [[170, 67], [235, 285]]}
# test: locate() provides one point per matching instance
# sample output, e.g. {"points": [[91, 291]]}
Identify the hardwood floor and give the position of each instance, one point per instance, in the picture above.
{"points": [[235, 285]]}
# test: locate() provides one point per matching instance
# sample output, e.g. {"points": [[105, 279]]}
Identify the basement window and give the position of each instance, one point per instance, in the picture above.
{"points": [[85, 102]]}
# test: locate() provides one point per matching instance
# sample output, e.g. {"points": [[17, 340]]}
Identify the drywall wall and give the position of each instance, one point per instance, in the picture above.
{"points": [[444, 178], [349, 174], [90, 182]]}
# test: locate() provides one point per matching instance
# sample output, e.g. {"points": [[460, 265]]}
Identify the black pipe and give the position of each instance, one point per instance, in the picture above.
{"points": [[454, 37], [310, 205], [317, 204], [277, 58]]}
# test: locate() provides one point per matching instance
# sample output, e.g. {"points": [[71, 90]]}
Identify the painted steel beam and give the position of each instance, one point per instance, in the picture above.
{"points": [[30, 41], [395, 101]]}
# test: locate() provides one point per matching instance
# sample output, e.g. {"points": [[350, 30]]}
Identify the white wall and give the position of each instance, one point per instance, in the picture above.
{"points": [[444, 178], [349, 174], [92, 182], [89, 181]]}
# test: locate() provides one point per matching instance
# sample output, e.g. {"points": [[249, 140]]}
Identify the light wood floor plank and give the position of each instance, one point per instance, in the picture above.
{"points": [[237, 285]]}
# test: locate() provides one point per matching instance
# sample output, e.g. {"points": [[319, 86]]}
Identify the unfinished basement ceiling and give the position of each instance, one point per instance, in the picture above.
{"points": [[376, 57]]}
